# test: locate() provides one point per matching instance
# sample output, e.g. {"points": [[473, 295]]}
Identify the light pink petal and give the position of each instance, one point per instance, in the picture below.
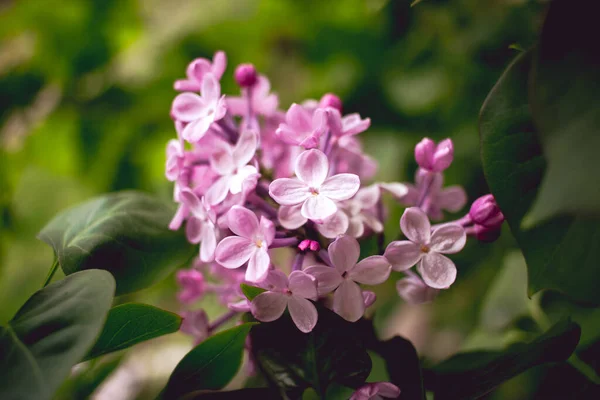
{"points": [[268, 306], [298, 118], [288, 192], [195, 130], [187, 107], [371, 271], [218, 191], [443, 156], [368, 196], [288, 135], [258, 266], [334, 121], [245, 148], [340, 187], [312, 167], [328, 279], [221, 159], [353, 125], [372, 222], [193, 230], [236, 182], [387, 389], [414, 291], [186, 85], [189, 198], [209, 243], [415, 225], [291, 217], [403, 254], [424, 153], [344, 253], [356, 227], [219, 64], [233, 251], [348, 301], [197, 68], [180, 215], [211, 89], [242, 222], [236, 105], [452, 198], [240, 306], [303, 313], [267, 230], [438, 271], [369, 298], [396, 189], [334, 225], [275, 279], [267, 105], [303, 285], [318, 207], [448, 239]]}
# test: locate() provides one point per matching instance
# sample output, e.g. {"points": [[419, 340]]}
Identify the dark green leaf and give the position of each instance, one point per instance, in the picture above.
{"points": [[563, 253], [125, 233], [565, 99], [129, 324], [210, 365], [88, 378], [52, 332], [251, 291], [472, 375], [293, 361], [242, 394]]}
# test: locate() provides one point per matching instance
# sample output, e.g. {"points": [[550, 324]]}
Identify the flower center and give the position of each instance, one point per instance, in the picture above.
{"points": [[210, 111], [258, 243], [314, 191], [424, 249]]}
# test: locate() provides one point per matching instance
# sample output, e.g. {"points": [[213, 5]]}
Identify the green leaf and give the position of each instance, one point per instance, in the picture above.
{"points": [[294, 361], [125, 233], [565, 99], [562, 253], [51, 332], [472, 375], [129, 324], [242, 394], [251, 291], [210, 365]]}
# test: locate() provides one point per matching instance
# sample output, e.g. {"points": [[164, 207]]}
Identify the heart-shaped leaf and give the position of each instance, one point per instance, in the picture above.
{"points": [[125, 233], [129, 324], [293, 361], [52, 332], [210, 365], [472, 375], [562, 253]]}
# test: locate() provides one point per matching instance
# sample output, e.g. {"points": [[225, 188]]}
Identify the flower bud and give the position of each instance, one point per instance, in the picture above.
{"points": [[245, 75], [314, 246], [369, 298], [303, 245], [485, 211], [331, 100], [432, 157], [486, 234]]}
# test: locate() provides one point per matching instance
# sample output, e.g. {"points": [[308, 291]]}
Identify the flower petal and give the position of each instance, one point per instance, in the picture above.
{"points": [[452, 198], [187, 107], [195, 130], [258, 265], [234, 251], [318, 207], [267, 230], [209, 243], [396, 189], [193, 230], [221, 159], [448, 239], [402, 254], [192, 201], [236, 183], [291, 217], [288, 192], [303, 313], [328, 279], [438, 271], [414, 291], [312, 167], [268, 306], [303, 285], [334, 225], [340, 186], [298, 118], [348, 301], [242, 222], [218, 191], [356, 227], [219, 63], [211, 89], [275, 279], [352, 124], [245, 148], [344, 253], [371, 271], [368, 196], [415, 225]]}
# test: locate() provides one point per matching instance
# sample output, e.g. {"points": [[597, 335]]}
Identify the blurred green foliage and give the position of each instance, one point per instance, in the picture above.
{"points": [[86, 87]]}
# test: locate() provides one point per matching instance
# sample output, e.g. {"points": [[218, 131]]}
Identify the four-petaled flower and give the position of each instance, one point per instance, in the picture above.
{"points": [[291, 293], [251, 244], [426, 248], [312, 188], [348, 300], [198, 68], [200, 227], [303, 127]]}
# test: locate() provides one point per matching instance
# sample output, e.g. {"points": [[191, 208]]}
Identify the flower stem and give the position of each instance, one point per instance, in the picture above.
{"points": [[325, 257], [51, 273], [298, 260], [284, 242]]}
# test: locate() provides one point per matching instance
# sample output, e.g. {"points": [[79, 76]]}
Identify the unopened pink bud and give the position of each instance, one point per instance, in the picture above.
{"points": [[432, 157], [245, 75], [486, 234], [305, 244], [314, 246], [485, 211], [369, 298], [331, 100]]}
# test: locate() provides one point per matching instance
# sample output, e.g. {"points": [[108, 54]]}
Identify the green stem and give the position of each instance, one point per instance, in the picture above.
{"points": [[53, 270], [584, 368]]}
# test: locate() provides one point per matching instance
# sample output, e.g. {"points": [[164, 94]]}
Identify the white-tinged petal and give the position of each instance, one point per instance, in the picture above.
{"points": [[267, 230], [328, 279], [356, 227], [415, 225], [221, 159], [318, 207], [195, 130], [452, 198], [193, 230], [340, 186], [233, 251], [303, 313], [368, 196], [242, 222], [344, 253], [187, 107], [211, 88], [448, 239], [348, 301], [303, 285], [275, 279], [334, 225], [291, 217], [403, 254], [258, 265], [192, 201], [218, 191], [208, 242], [372, 270], [236, 182], [245, 148], [312, 167], [438, 271], [288, 192], [268, 306], [396, 189]]}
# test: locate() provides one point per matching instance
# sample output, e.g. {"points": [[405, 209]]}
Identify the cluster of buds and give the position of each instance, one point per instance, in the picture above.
{"points": [[250, 178]]}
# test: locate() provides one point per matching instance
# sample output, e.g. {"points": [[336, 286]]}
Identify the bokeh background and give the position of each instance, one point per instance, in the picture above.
{"points": [[85, 92]]}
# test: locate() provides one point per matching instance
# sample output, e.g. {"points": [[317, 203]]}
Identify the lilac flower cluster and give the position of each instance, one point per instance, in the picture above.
{"points": [[250, 178]]}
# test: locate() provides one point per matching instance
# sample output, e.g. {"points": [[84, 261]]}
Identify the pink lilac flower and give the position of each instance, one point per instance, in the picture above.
{"points": [[348, 125], [360, 211], [302, 127], [251, 244], [414, 291], [287, 293], [331, 100], [200, 227], [485, 211], [348, 301], [232, 164], [199, 112], [193, 285], [432, 157], [198, 68], [376, 391], [261, 101], [425, 248], [290, 217], [195, 324], [312, 188], [175, 160]]}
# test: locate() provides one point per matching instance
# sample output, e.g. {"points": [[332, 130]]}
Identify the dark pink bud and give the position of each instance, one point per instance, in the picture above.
{"points": [[314, 246], [245, 75], [369, 298], [331, 100], [485, 234], [304, 244], [432, 157], [485, 211]]}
